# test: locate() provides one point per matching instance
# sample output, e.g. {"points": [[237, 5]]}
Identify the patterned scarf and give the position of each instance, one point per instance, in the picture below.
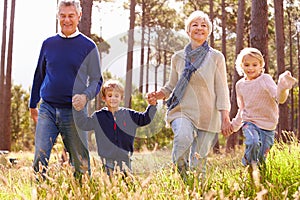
{"points": [[199, 55]]}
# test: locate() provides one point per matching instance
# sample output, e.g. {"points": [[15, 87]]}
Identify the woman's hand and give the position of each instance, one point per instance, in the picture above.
{"points": [[226, 127], [151, 99], [159, 95]]}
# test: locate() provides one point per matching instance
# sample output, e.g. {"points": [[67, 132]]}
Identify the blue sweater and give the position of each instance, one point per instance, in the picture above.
{"points": [[66, 66], [115, 137]]}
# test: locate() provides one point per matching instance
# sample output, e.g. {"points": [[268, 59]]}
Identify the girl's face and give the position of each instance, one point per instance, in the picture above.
{"points": [[113, 98], [251, 67], [198, 31]]}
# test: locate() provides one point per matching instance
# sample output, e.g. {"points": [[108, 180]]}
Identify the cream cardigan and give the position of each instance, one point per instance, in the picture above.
{"points": [[206, 94]]}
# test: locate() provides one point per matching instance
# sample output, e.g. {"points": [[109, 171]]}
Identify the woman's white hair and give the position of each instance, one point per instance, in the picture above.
{"points": [[198, 15]]}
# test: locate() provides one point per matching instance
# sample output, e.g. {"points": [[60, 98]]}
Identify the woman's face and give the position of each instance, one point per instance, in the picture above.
{"points": [[198, 31]]}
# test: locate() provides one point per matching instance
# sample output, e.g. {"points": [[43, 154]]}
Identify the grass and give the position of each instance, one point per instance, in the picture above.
{"points": [[154, 178]]}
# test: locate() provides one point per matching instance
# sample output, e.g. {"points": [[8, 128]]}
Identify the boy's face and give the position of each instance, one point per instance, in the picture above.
{"points": [[112, 98]]}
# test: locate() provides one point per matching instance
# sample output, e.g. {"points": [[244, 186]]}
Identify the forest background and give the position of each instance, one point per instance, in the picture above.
{"points": [[143, 54]]}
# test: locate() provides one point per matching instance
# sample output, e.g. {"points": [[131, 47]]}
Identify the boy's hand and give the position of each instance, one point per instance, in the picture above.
{"points": [[151, 98], [79, 101]]}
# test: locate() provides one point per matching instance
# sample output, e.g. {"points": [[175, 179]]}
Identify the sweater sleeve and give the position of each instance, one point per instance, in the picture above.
{"points": [[220, 83], [285, 83], [94, 73], [38, 79], [170, 85], [237, 121], [144, 118], [83, 121]]}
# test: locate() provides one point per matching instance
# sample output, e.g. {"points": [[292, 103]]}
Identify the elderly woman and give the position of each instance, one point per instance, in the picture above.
{"points": [[198, 103]]}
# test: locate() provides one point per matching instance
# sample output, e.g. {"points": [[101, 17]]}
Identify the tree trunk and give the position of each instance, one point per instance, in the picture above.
{"points": [[148, 59], [259, 28], [211, 16], [298, 47], [158, 59], [2, 79], [165, 65], [142, 48], [86, 18], [128, 87], [279, 27], [232, 139], [7, 95], [224, 21], [292, 70], [216, 148]]}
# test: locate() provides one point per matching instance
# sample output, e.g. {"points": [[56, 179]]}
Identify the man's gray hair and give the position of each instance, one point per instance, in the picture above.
{"points": [[75, 3]]}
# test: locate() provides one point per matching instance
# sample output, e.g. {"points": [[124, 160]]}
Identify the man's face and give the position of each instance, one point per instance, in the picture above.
{"points": [[68, 19]]}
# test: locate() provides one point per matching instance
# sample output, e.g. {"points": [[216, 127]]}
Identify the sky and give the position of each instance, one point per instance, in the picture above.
{"points": [[35, 20]]}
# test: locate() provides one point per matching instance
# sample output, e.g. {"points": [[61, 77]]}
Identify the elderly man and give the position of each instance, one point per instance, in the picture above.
{"points": [[68, 69]]}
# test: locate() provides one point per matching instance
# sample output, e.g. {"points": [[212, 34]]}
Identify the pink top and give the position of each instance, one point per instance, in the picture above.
{"points": [[258, 101]]}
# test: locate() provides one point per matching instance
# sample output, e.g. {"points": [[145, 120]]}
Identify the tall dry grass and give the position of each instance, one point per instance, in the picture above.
{"points": [[154, 178]]}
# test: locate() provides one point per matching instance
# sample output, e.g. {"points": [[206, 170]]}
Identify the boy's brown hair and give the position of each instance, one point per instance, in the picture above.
{"points": [[112, 84]]}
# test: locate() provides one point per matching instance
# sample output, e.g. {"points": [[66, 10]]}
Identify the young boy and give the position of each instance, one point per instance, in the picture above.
{"points": [[115, 126]]}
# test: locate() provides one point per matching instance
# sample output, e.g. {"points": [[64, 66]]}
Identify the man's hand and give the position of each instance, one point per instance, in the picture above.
{"points": [[79, 101], [34, 114]]}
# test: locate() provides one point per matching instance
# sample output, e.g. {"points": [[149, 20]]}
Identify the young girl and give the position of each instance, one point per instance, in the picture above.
{"points": [[258, 97]]}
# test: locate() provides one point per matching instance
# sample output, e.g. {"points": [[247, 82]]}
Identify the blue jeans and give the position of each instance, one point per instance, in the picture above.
{"points": [[191, 145], [51, 122], [258, 143]]}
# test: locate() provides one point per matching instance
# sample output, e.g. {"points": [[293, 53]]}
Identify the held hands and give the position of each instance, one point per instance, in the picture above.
{"points": [[79, 101], [227, 129], [226, 126], [154, 96], [151, 98], [159, 95]]}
